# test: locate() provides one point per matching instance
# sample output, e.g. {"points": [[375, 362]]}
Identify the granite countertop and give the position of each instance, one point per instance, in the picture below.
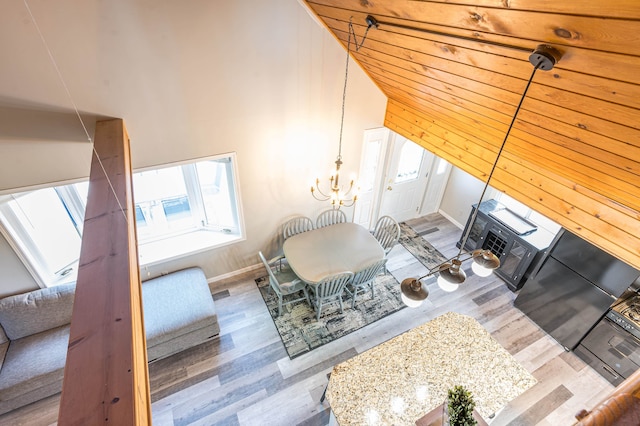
{"points": [[404, 378]]}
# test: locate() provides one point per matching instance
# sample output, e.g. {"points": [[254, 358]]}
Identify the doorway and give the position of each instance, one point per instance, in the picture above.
{"points": [[398, 178]]}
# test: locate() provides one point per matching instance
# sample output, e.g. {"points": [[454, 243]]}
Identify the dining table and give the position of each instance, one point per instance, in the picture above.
{"points": [[316, 254]]}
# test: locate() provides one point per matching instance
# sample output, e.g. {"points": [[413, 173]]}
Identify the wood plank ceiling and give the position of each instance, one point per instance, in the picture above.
{"points": [[454, 73]]}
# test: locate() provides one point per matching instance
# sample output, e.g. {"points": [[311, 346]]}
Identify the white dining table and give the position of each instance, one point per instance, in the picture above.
{"points": [[326, 251]]}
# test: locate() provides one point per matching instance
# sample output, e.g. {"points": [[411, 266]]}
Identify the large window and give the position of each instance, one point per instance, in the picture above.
{"points": [[179, 210], [524, 211]]}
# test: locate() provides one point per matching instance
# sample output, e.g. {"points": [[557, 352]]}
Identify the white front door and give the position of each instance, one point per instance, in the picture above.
{"points": [[370, 176], [406, 179], [438, 178]]}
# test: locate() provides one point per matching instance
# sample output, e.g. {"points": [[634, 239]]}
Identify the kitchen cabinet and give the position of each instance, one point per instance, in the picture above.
{"points": [[518, 253]]}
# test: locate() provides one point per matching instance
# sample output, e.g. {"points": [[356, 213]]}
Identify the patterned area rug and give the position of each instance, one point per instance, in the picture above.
{"points": [[299, 330], [301, 333], [419, 247]]}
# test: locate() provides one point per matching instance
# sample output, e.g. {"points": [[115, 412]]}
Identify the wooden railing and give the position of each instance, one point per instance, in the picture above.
{"points": [[622, 407], [106, 378]]}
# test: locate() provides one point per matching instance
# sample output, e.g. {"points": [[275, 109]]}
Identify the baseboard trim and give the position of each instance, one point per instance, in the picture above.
{"points": [[237, 274], [450, 219]]}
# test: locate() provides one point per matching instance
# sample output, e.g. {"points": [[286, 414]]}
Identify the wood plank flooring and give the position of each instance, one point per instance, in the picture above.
{"points": [[246, 378]]}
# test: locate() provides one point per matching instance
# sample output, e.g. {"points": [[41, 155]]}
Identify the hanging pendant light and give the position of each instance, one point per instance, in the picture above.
{"points": [[336, 194], [484, 261]]}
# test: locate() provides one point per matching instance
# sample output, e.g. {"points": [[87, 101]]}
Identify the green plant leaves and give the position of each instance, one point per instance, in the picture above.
{"points": [[460, 407]]}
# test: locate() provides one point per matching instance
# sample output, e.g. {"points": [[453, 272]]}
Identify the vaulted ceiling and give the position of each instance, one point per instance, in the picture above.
{"points": [[454, 73]]}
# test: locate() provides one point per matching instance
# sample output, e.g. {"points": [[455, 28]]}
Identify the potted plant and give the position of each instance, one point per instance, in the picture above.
{"points": [[460, 407]]}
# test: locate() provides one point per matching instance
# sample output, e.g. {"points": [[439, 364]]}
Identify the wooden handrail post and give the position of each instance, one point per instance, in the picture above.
{"points": [[106, 379]]}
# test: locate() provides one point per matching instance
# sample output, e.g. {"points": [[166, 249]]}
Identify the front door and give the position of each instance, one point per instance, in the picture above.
{"points": [[406, 179], [371, 175]]}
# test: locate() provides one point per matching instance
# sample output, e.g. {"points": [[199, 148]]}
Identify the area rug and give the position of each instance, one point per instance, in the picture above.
{"points": [[301, 333], [418, 367], [419, 247]]}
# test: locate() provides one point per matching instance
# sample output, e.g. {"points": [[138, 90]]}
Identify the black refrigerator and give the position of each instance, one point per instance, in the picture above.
{"points": [[573, 288]]}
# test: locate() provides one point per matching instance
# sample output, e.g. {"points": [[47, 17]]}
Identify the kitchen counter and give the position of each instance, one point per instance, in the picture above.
{"points": [[401, 380]]}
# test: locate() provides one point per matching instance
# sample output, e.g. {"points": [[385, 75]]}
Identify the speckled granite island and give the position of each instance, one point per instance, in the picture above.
{"points": [[401, 380]]}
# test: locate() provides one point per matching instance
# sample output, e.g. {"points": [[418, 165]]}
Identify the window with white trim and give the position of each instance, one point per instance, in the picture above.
{"points": [[180, 209], [527, 213]]}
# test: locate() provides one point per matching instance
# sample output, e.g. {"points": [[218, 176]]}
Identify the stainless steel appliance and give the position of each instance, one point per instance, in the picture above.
{"points": [[612, 348], [573, 288]]}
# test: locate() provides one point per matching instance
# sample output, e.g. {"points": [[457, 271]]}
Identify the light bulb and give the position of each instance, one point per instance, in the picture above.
{"points": [[480, 270], [411, 303], [447, 286]]}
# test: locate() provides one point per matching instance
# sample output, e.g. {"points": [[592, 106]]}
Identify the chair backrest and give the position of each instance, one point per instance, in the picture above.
{"points": [[330, 217], [387, 232], [273, 281], [369, 272], [333, 285], [297, 225]]}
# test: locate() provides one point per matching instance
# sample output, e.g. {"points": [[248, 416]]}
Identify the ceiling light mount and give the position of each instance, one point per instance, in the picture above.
{"points": [[371, 21], [545, 57]]}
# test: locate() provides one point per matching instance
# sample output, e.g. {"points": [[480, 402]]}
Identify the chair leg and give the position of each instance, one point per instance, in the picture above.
{"points": [[340, 300], [279, 305], [353, 298], [319, 310], [306, 294]]}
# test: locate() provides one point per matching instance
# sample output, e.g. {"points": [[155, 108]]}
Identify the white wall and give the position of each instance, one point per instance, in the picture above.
{"points": [[192, 79], [462, 191], [14, 277]]}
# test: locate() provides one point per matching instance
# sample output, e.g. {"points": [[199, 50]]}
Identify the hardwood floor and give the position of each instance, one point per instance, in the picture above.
{"points": [[246, 378]]}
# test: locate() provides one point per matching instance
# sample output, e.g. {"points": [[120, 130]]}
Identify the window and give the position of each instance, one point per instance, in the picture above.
{"points": [[527, 213], [410, 162], [179, 210]]}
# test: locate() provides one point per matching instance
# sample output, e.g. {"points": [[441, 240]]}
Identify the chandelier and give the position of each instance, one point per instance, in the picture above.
{"points": [[450, 275], [336, 194]]}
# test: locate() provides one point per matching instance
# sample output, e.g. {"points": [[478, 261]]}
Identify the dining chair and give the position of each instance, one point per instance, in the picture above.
{"points": [[364, 279], [329, 288], [284, 283], [297, 225], [387, 232], [330, 217]]}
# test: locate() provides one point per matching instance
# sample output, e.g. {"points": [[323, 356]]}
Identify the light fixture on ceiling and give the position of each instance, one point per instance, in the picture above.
{"points": [[336, 194], [414, 292]]}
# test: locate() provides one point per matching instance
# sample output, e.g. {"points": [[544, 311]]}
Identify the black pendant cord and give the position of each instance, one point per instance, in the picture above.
{"points": [[346, 75], [495, 164]]}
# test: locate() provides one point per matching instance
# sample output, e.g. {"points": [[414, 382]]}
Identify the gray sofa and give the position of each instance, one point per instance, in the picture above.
{"points": [[179, 313]]}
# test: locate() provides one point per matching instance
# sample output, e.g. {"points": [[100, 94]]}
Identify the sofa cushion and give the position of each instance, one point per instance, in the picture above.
{"points": [[34, 361], [37, 311], [176, 304], [3, 337]]}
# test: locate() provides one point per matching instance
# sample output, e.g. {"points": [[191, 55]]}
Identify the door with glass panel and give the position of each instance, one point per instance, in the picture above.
{"points": [[405, 179], [371, 175]]}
